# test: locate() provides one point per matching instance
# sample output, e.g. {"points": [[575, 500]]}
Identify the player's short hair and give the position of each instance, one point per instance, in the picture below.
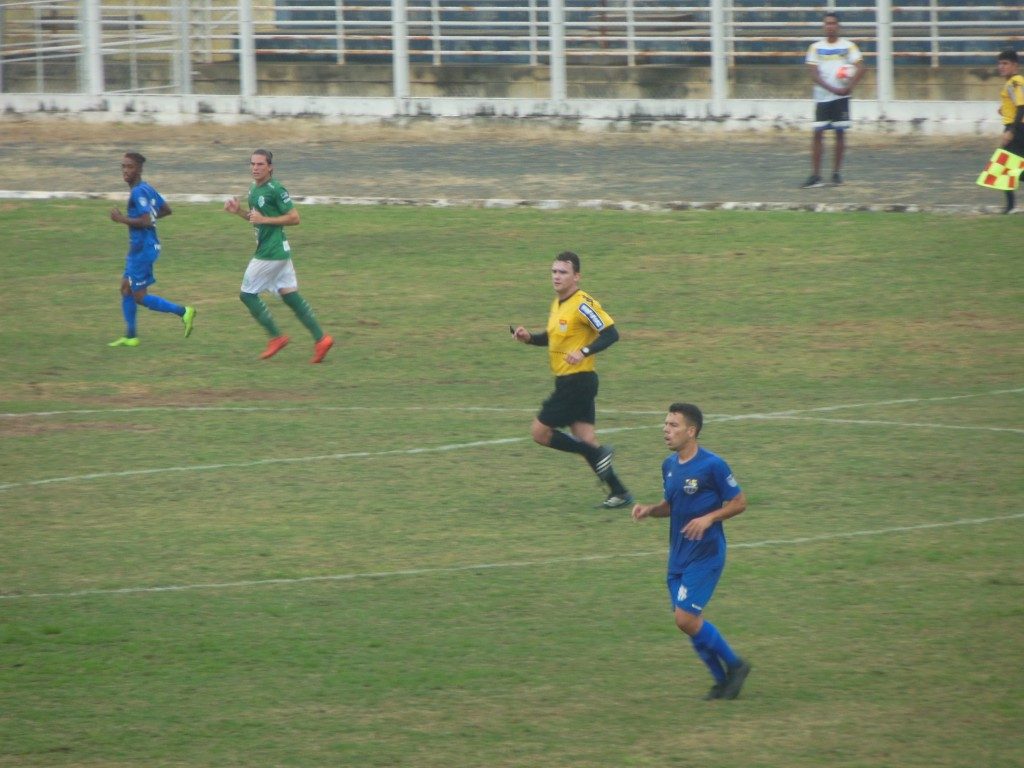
{"points": [[570, 257], [136, 158], [1008, 55], [266, 153], [690, 412], [831, 15]]}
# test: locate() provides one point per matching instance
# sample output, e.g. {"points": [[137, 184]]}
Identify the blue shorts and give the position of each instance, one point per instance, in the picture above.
{"points": [[139, 271], [692, 591]]}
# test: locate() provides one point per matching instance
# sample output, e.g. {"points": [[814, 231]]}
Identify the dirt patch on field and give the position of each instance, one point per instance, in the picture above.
{"points": [[491, 159]]}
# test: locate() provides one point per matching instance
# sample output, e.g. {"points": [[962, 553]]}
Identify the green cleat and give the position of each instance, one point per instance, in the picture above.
{"points": [[125, 341], [187, 319]]}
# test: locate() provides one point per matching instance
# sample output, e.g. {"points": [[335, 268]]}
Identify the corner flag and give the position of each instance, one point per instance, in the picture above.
{"points": [[1002, 171]]}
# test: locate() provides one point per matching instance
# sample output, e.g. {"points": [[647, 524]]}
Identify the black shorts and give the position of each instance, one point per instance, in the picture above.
{"points": [[834, 114], [572, 401], [1016, 144]]}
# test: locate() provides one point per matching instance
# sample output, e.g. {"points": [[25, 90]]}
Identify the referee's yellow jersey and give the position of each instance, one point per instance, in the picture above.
{"points": [[1012, 97], [573, 324]]}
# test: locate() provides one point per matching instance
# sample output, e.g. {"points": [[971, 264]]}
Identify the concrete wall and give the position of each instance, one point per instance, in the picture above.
{"points": [[947, 101], [513, 81]]}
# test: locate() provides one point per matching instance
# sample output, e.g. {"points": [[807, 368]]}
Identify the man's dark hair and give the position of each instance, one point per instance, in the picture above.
{"points": [[1008, 55], [831, 15], [570, 257], [136, 158], [690, 412], [266, 153]]}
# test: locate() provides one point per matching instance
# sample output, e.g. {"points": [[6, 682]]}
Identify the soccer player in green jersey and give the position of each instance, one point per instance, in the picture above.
{"points": [[270, 269]]}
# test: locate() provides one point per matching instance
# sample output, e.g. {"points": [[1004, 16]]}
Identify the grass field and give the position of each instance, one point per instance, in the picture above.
{"points": [[209, 560]]}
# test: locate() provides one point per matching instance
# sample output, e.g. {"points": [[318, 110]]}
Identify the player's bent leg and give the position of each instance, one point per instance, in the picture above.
{"points": [[690, 623], [304, 312], [160, 304], [260, 312], [541, 433]]}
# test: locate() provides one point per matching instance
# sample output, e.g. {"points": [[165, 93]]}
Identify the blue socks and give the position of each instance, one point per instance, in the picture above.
{"points": [[158, 304], [714, 651], [710, 659], [129, 310]]}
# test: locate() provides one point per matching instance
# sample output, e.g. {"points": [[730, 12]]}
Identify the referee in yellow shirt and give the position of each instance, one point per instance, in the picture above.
{"points": [[578, 328], [1011, 110]]}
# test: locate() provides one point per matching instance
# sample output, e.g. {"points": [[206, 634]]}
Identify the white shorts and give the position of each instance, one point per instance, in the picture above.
{"points": [[269, 276]]}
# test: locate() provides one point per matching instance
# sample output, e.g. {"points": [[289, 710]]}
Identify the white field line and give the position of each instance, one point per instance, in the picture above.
{"points": [[877, 422], [496, 566], [780, 415], [540, 203]]}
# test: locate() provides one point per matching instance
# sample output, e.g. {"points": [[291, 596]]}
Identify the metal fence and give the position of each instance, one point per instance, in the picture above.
{"points": [[102, 47]]}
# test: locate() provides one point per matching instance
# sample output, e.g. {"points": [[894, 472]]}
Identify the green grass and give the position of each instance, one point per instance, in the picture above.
{"points": [[466, 606]]}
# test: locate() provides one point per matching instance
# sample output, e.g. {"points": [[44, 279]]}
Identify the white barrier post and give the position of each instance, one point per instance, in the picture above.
{"points": [[92, 48], [183, 56], [883, 52], [556, 30], [719, 62], [246, 51], [400, 52]]}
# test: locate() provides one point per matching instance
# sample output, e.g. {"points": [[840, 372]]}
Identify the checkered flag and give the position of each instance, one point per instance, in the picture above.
{"points": [[1002, 172]]}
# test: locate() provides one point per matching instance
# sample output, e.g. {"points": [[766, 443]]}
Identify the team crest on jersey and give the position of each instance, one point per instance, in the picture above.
{"points": [[261, 201], [690, 486], [563, 326]]}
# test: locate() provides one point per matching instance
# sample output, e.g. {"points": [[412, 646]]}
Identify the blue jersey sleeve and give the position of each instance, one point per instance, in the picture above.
{"points": [[728, 488], [144, 200]]}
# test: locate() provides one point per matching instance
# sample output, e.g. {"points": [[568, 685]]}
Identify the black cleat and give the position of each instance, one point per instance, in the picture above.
{"points": [[812, 181], [715, 693], [837, 180], [734, 678]]}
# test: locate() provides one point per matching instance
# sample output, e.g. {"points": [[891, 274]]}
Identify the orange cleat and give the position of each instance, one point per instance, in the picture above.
{"points": [[320, 348], [274, 346]]}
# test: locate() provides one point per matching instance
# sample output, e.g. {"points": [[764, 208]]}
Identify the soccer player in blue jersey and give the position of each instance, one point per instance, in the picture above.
{"points": [[700, 492], [145, 206]]}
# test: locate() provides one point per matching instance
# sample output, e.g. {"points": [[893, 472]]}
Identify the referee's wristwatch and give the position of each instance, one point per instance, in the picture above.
{"points": [[585, 351]]}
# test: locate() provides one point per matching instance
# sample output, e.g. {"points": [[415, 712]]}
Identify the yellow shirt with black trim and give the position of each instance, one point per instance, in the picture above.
{"points": [[574, 323], [1012, 97]]}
